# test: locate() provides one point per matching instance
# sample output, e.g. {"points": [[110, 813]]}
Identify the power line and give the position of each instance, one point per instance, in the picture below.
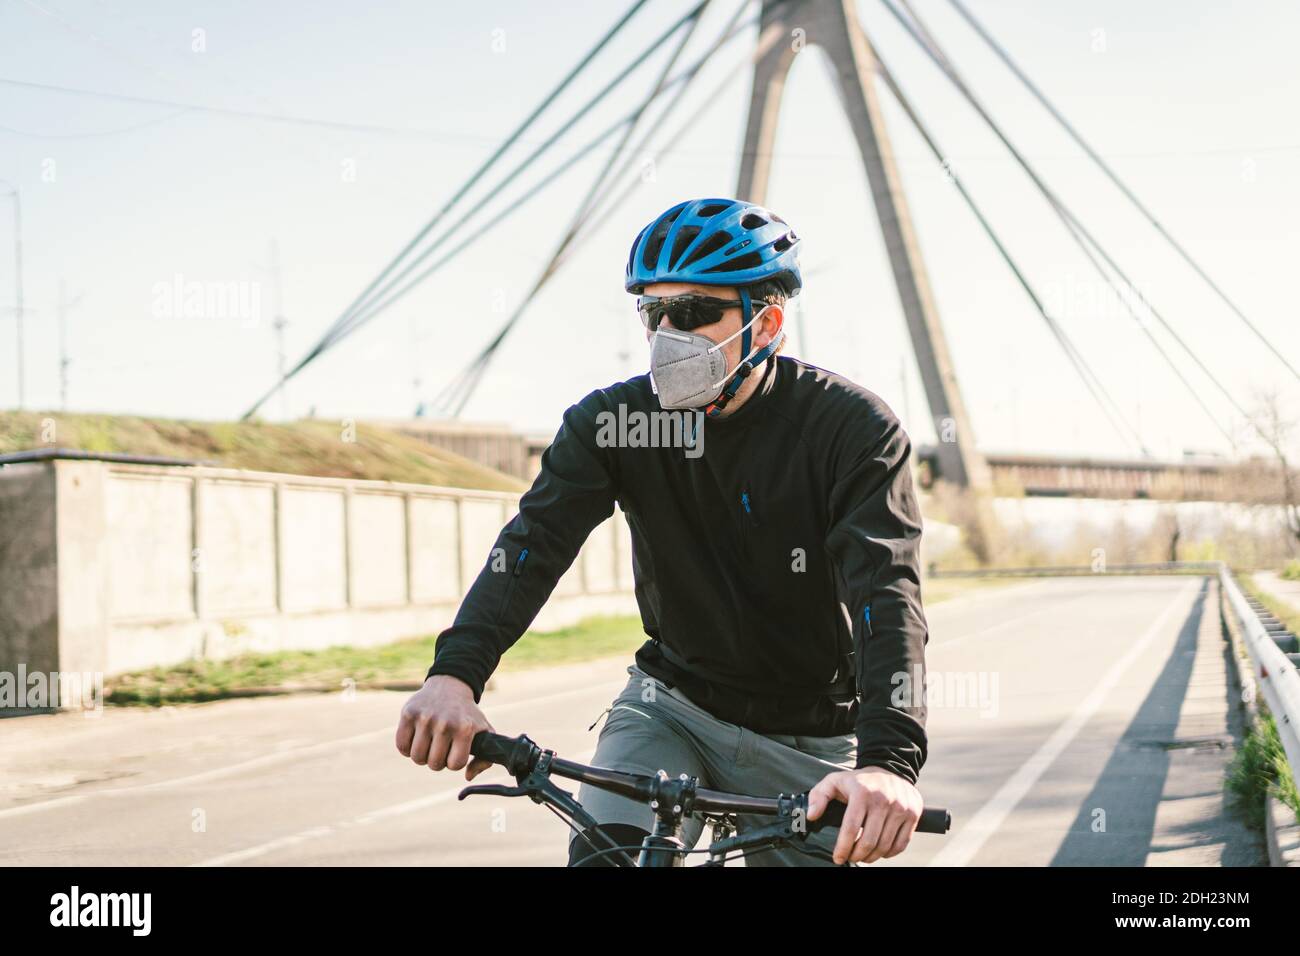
{"points": [[1114, 178], [184, 107]]}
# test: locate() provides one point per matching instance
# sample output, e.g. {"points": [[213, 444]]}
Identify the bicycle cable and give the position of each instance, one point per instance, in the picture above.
{"points": [[582, 835]]}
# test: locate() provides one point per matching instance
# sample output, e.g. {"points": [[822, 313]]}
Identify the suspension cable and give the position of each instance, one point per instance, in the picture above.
{"points": [[1089, 377], [1110, 173], [460, 193], [1076, 228], [458, 392]]}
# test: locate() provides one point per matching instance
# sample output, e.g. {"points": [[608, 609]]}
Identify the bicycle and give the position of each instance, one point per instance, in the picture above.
{"points": [[672, 801]]}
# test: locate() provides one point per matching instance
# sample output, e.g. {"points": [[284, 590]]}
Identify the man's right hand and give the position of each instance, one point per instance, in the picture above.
{"points": [[438, 724]]}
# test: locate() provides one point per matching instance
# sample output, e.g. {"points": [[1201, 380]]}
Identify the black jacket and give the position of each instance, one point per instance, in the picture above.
{"points": [[776, 564]]}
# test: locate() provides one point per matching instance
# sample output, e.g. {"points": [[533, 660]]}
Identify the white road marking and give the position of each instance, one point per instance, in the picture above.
{"points": [[961, 849], [262, 761], [1002, 625], [365, 819]]}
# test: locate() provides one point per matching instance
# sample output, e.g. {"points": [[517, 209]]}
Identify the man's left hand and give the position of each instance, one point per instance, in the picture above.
{"points": [[880, 817]]}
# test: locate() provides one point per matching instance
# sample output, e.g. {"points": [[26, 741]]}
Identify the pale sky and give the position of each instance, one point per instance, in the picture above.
{"points": [[1194, 104]]}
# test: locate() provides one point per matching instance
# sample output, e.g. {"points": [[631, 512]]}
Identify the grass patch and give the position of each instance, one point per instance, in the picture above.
{"points": [[1260, 769], [330, 668], [1291, 571], [307, 447], [1281, 610]]}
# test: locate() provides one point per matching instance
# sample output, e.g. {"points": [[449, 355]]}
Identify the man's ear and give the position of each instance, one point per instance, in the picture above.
{"points": [[772, 313]]}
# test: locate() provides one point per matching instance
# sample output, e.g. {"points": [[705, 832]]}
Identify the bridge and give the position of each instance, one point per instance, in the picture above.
{"points": [[499, 446]]}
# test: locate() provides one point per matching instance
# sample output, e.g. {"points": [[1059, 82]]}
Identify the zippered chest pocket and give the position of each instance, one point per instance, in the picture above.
{"points": [[781, 540]]}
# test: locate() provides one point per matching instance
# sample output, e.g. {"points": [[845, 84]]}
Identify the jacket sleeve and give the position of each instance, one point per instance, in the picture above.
{"points": [[572, 494], [874, 539]]}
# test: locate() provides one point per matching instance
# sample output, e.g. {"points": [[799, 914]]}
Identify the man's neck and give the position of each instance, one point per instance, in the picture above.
{"points": [[747, 388]]}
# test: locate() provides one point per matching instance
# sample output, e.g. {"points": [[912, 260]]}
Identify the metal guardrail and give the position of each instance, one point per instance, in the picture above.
{"points": [[1273, 673]]}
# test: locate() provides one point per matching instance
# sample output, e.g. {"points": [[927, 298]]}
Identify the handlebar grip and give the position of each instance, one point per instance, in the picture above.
{"points": [[496, 748], [933, 819]]}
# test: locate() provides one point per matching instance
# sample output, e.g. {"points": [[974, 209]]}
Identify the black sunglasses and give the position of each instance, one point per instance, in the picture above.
{"points": [[686, 312]]}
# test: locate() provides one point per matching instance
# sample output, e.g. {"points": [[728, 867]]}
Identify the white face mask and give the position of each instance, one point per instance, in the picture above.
{"points": [[689, 370]]}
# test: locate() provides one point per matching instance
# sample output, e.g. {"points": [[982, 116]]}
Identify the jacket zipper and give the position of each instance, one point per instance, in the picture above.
{"points": [[747, 503], [510, 584], [749, 519]]}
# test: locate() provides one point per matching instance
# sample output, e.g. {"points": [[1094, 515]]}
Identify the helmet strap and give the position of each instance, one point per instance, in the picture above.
{"points": [[747, 365]]}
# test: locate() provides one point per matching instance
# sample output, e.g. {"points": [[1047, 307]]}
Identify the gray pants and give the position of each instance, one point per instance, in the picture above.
{"points": [[652, 728]]}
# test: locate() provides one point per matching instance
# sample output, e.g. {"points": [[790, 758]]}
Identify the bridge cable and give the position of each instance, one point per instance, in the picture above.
{"points": [[1080, 364], [468, 380], [1076, 228], [458, 393], [461, 192], [367, 311], [1114, 178]]}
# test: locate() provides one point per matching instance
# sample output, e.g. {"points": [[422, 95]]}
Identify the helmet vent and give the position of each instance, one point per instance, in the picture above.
{"points": [[752, 221], [750, 260], [785, 242], [708, 247], [685, 236], [713, 209], [654, 245]]}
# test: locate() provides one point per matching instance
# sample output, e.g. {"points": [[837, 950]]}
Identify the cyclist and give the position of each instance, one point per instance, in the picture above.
{"points": [[775, 558]]}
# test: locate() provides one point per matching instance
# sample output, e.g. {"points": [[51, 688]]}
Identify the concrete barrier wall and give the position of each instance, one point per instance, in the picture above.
{"points": [[113, 567]]}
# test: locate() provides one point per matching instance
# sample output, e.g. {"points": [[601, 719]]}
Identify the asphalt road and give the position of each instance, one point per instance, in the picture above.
{"points": [[1096, 734]]}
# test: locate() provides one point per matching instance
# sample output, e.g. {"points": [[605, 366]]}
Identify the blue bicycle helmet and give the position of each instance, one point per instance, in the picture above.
{"points": [[715, 242]]}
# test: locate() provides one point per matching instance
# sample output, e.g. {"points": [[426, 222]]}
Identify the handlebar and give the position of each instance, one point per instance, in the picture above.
{"points": [[933, 819], [520, 756]]}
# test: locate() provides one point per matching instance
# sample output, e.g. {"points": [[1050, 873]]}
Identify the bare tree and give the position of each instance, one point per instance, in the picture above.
{"points": [[1273, 426]]}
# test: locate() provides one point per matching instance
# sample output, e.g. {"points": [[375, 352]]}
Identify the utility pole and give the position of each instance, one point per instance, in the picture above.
{"points": [[279, 323], [64, 360], [18, 287], [417, 385]]}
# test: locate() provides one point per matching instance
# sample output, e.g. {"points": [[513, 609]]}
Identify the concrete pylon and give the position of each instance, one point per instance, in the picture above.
{"points": [[833, 26]]}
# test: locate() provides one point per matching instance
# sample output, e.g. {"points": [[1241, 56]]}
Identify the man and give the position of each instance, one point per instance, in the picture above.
{"points": [[776, 559]]}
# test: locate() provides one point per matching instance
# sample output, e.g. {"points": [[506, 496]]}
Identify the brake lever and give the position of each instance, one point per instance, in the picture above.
{"points": [[492, 789], [537, 786]]}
